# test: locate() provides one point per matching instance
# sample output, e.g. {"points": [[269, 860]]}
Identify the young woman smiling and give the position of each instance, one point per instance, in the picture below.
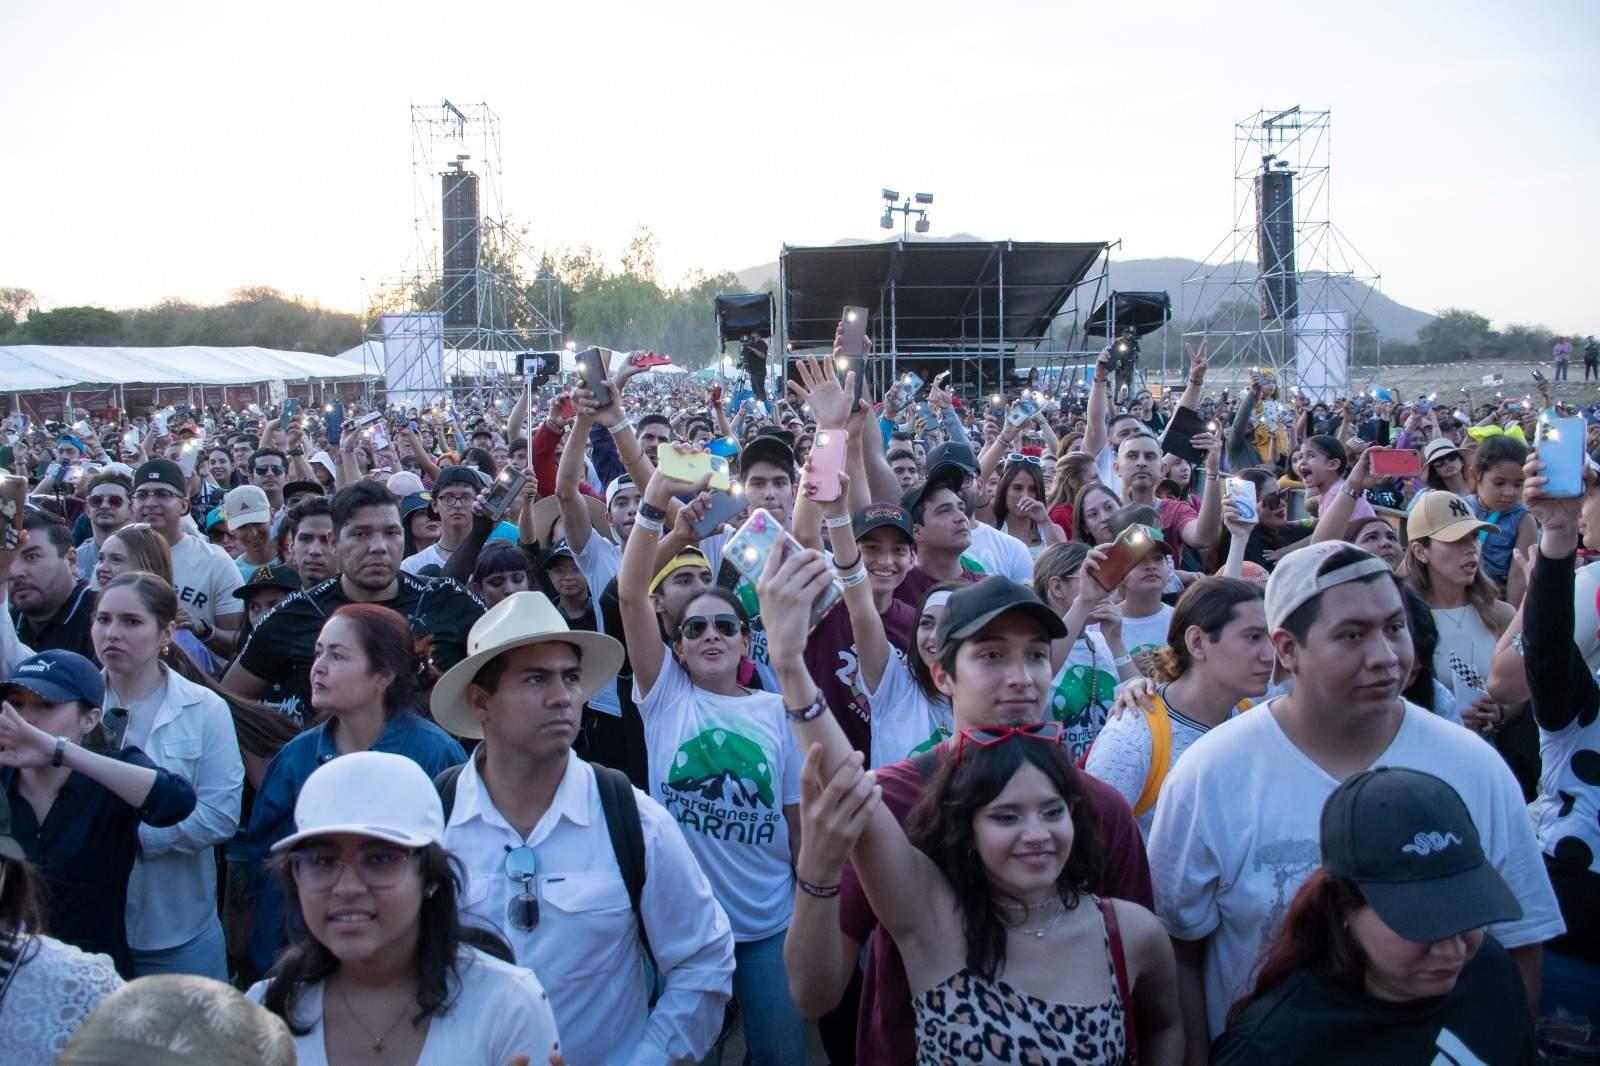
{"points": [[383, 974], [185, 728]]}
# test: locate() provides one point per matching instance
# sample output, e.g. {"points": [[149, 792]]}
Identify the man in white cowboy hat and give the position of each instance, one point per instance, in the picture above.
{"points": [[543, 837]]}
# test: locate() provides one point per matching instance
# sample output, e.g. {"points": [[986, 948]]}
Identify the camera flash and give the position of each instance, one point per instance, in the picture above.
{"points": [[842, 363], [850, 316], [822, 439]]}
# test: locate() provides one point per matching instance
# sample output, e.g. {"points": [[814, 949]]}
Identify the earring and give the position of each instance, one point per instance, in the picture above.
{"points": [[431, 890]]}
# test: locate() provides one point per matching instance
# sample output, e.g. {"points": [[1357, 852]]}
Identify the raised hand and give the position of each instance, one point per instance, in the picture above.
{"points": [[1197, 363], [830, 401], [22, 744], [833, 813]]}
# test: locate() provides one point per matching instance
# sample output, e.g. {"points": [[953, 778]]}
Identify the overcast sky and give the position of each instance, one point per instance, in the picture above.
{"points": [[183, 149]]}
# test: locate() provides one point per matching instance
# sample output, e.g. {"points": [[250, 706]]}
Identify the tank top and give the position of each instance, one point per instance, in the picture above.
{"points": [[1464, 653], [968, 1018]]}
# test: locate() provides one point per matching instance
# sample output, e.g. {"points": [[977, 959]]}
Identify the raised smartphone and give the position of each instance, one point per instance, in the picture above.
{"points": [[690, 467], [1180, 433], [378, 436], [13, 500], [503, 493], [368, 419], [1395, 462], [1127, 551], [756, 540], [721, 507], [853, 346], [1242, 491], [650, 359], [1024, 409], [826, 461], [591, 369], [1561, 449]]}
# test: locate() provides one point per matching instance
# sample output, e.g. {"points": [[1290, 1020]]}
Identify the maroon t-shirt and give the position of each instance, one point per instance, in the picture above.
{"points": [[886, 1024], [831, 662], [918, 581]]}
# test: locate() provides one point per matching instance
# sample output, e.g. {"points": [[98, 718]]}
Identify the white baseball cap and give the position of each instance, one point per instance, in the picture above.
{"points": [[1302, 576], [371, 794], [246, 505]]}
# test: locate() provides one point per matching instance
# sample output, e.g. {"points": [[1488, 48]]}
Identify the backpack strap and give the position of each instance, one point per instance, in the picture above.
{"points": [[1160, 756], [445, 782], [1119, 964], [621, 809]]}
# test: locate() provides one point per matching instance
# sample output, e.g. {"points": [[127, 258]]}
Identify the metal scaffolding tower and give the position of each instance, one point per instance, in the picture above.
{"points": [[1285, 289]]}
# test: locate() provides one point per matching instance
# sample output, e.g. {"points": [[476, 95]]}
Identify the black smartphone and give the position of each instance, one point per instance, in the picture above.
{"points": [[853, 345], [591, 368], [507, 484], [721, 507], [1180, 433], [1538, 375]]}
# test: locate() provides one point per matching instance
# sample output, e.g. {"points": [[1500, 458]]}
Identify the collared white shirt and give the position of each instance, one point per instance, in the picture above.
{"points": [[585, 949]]}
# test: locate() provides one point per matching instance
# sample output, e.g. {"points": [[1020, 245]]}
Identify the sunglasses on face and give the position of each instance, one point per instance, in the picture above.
{"points": [[1049, 732], [728, 625], [271, 468], [115, 499], [1272, 501]]}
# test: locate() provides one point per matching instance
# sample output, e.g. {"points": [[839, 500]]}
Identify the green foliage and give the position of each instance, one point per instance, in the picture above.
{"points": [[254, 315], [73, 325], [1455, 335]]}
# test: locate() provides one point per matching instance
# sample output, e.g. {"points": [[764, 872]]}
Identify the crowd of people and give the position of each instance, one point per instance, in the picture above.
{"points": [[596, 725]]}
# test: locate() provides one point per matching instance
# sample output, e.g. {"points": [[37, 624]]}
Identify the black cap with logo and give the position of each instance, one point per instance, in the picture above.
{"points": [[1407, 840], [879, 516], [970, 609]]}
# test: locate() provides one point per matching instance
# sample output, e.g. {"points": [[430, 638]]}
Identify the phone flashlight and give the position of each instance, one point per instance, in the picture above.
{"points": [[1212, 426], [842, 363], [822, 440], [849, 316]]}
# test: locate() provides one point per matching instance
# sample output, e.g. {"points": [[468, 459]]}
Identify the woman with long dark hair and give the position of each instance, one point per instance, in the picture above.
{"points": [[1383, 956], [1019, 507], [1092, 509], [187, 729], [384, 972], [46, 987], [1006, 953], [366, 685]]}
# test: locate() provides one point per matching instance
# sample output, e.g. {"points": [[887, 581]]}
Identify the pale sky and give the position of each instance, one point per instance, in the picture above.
{"points": [[186, 148]]}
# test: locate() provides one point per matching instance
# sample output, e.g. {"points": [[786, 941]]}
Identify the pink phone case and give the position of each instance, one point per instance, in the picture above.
{"points": [[827, 460]]}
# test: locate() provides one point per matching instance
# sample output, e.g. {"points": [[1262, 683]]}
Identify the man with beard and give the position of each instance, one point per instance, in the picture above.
{"points": [[269, 469], [367, 538], [51, 609], [1139, 468], [110, 507]]}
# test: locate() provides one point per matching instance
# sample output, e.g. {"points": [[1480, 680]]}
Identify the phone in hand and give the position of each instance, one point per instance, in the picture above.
{"points": [[1242, 491], [690, 467], [907, 388], [1024, 409], [1395, 462], [726, 447], [826, 462], [716, 395], [650, 359], [1561, 450], [1127, 552], [370, 418], [188, 455], [1538, 375], [853, 346], [378, 436], [1178, 439], [13, 505], [508, 484], [591, 369], [755, 541], [721, 507], [564, 408]]}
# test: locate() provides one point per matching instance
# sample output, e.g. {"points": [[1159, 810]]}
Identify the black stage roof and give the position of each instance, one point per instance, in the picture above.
{"points": [[946, 293]]}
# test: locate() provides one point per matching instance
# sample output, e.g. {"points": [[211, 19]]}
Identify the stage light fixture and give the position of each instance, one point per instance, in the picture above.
{"points": [[890, 194], [922, 225], [924, 197], [887, 221]]}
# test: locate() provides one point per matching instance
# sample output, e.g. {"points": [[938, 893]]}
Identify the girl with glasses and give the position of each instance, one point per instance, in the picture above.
{"points": [[384, 972], [724, 763], [985, 890]]}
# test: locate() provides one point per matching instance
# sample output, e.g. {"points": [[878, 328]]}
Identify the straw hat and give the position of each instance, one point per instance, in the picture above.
{"points": [[520, 619], [548, 509]]}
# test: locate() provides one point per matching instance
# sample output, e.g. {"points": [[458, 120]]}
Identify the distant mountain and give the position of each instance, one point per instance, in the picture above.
{"points": [[1393, 320]]}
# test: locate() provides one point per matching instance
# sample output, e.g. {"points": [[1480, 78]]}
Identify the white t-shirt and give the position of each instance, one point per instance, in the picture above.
{"points": [[206, 579], [905, 722], [499, 1011], [599, 562], [1147, 633], [725, 767], [1082, 691], [1586, 613], [1122, 752], [1105, 468], [999, 553], [1238, 829], [432, 555]]}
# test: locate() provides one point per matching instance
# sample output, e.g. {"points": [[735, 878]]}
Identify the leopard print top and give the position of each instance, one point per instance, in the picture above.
{"points": [[968, 1019]]}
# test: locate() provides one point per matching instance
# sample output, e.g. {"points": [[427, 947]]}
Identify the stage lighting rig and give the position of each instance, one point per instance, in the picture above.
{"points": [[905, 210]]}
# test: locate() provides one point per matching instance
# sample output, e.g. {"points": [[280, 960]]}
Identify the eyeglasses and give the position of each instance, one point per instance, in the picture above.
{"points": [[269, 468], [456, 501], [374, 867], [728, 625], [522, 913], [1018, 457], [1049, 732], [107, 499], [164, 495], [1272, 501]]}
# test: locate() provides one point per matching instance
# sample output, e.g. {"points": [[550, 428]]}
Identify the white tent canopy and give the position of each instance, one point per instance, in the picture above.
{"points": [[44, 368], [367, 359]]}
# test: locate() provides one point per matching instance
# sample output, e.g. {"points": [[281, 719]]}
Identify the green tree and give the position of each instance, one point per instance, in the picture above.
{"points": [[1456, 335], [73, 325]]}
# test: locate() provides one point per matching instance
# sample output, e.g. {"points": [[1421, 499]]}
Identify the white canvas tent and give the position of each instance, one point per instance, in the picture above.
{"points": [[368, 359], [53, 368]]}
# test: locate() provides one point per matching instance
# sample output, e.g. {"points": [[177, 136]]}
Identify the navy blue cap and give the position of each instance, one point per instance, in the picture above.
{"points": [[60, 677]]}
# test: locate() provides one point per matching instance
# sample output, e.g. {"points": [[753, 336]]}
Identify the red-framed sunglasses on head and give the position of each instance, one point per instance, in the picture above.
{"points": [[1049, 732]]}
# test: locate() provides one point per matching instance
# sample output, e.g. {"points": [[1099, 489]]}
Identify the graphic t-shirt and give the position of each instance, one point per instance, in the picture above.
{"points": [[1082, 691], [1308, 1018], [1238, 829], [205, 579], [906, 722], [1148, 633], [994, 552], [725, 767], [831, 661]]}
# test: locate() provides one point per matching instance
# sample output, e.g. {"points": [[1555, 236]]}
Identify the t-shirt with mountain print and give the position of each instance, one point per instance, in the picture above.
{"points": [[725, 767]]}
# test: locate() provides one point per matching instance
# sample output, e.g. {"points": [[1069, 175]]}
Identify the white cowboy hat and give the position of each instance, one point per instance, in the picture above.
{"points": [[520, 619]]}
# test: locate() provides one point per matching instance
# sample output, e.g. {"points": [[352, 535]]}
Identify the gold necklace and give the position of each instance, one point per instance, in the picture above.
{"points": [[377, 1041], [1038, 934]]}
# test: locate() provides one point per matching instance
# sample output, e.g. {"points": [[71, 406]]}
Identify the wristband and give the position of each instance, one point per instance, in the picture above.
{"points": [[806, 714], [1350, 492], [652, 512], [838, 521], [817, 891], [845, 568], [61, 749], [1122, 660], [620, 426], [654, 525], [853, 578]]}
